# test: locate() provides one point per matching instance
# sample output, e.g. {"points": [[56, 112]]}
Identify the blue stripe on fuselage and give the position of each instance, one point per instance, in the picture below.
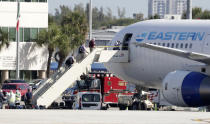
{"points": [[190, 89]]}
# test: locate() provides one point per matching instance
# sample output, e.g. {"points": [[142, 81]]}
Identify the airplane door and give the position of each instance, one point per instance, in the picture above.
{"points": [[206, 45], [126, 43]]}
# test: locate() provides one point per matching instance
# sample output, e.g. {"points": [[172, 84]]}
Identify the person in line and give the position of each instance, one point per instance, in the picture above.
{"points": [[2, 99], [17, 98], [11, 100], [81, 53], [92, 44], [70, 61], [28, 99], [117, 45]]}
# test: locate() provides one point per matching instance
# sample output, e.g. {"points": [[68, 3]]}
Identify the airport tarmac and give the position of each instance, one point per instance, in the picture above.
{"points": [[101, 117]]}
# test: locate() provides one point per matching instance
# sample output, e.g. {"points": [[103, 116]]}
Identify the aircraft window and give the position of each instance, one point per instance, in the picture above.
{"points": [[166, 86], [186, 45], [190, 46], [181, 46], [159, 44], [172, 45], [163, 44], [168, 44], [126, 41], [154, 43], [177, 45]]}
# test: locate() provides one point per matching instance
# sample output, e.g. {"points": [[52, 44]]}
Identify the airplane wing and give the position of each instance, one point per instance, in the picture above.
{"points": [[204, 58]]}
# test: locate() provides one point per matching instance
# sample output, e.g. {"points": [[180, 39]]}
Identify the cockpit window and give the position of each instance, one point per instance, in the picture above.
{"points": [[126, 41]]}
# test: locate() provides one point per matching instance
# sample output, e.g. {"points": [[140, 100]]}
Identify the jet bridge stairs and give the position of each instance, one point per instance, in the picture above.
{"points": [[54, 86]]}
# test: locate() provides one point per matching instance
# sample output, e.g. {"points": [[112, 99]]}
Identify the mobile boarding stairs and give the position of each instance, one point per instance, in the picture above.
{"points": [[54, 86]]}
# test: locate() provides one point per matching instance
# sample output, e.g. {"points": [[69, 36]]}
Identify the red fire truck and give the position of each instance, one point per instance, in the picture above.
{"points": [[114, 91]]}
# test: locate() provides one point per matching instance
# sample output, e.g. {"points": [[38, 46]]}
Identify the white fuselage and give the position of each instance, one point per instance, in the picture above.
{"points": [[147, 67]]}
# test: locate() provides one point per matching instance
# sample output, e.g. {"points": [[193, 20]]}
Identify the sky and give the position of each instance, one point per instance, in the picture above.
{"points": [[131, 6]]}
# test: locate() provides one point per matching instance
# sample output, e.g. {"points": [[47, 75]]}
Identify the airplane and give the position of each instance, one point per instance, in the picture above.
{"points": [[170, 55]]}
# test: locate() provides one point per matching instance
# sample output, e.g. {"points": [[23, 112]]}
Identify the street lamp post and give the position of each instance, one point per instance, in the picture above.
{"points": [[189, 9], [90, 20]]}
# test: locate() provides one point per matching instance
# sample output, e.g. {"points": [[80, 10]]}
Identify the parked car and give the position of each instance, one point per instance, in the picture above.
{"points": [[14, 81], [22, 87], [36, 83], [87, 101]]}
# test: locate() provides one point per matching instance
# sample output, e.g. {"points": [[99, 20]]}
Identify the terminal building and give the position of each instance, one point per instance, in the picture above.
{"points": [[33, 18], [163, 7]]}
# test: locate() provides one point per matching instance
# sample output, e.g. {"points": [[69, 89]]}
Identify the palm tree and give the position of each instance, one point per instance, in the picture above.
{"points": [[3, 39], [48, 38], [74, 29]]}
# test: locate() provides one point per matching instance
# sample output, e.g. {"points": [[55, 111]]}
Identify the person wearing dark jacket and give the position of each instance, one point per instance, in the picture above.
{"points": [[2, 99], [28, 98], [70, 61], [92, 44]]}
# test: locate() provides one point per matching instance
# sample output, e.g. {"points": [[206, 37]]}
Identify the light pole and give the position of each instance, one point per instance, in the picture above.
{"points": [[189, 9], [90, 20], [17, 40]]}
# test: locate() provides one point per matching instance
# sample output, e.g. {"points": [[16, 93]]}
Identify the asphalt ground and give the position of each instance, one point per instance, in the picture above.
{"points": [[101, 117]]}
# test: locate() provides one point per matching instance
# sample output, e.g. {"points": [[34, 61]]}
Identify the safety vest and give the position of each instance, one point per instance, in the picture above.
{"points": [[18, 97]]}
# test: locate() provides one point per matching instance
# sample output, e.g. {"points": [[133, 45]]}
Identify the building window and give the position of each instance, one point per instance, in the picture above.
{"points": [[42, 0], [21, 34], [27, 34], [34, 34], [12, 34]]}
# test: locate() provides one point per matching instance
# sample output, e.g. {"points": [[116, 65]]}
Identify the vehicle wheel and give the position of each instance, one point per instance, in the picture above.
{"points": [[130, 108], [136, 106], [143, 107], [62, 105], [122, 107]]}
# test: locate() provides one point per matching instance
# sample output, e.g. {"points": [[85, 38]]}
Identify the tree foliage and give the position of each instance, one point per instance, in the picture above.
{"points": [[198, 13], [4, 39], [102, 17], [49, 39]]}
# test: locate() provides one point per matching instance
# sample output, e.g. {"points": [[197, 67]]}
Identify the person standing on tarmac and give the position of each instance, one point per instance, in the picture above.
{"points": [[17, 98], [28, 98], [2, 99], [92, 44], [11, 100]]}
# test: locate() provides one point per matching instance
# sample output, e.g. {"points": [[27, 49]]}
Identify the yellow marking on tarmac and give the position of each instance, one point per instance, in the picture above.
{"points": [[202, 120]]}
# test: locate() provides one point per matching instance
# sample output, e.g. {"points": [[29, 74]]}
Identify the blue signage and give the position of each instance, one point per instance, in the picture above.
{"points": [[171, 36]]}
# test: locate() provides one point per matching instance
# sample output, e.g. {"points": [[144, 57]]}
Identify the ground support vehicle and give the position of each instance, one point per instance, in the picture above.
{"points": [[87, 101], [114, 91]]}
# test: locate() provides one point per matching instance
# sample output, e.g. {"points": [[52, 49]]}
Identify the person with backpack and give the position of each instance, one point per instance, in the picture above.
{"points": [[92, 44], [81, 53], [69, 61]]}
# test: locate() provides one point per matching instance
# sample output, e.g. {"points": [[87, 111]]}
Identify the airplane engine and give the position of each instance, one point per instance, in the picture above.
{"points": [[187, 89]]}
